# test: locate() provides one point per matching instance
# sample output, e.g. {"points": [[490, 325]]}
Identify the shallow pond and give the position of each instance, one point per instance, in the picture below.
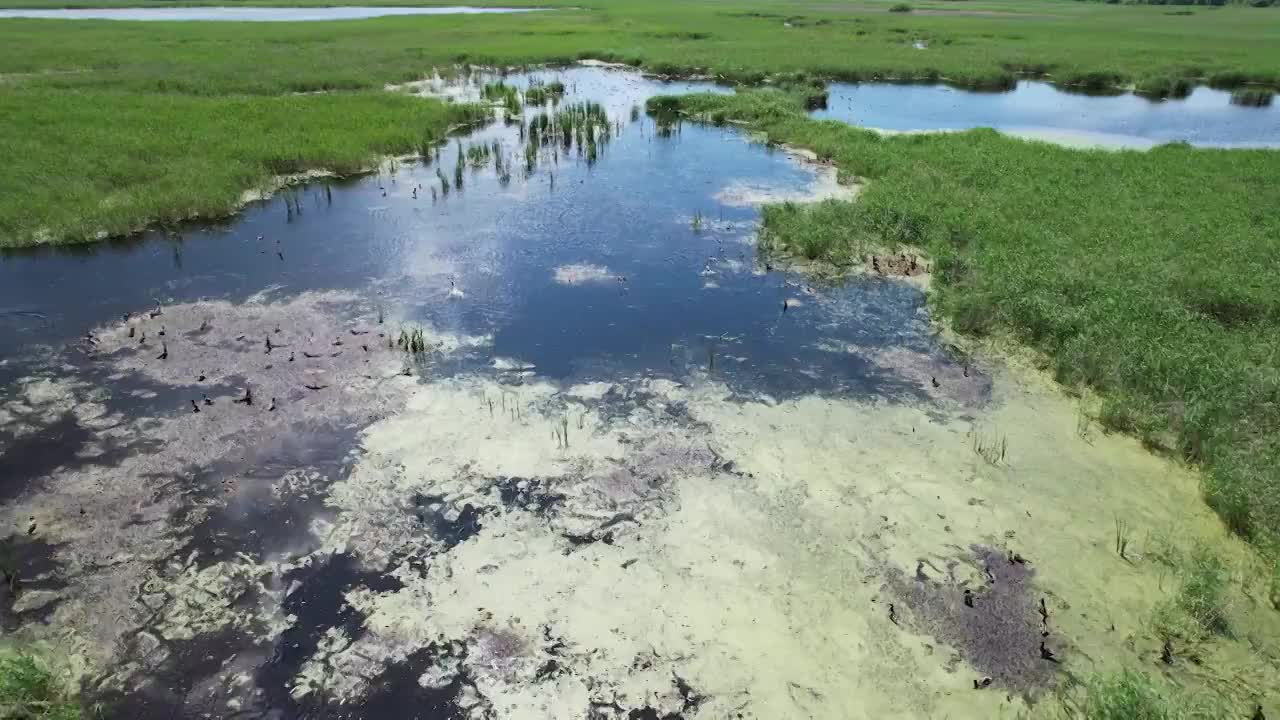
{"points": [[247, 14], [553, 444], [1040, 111]]}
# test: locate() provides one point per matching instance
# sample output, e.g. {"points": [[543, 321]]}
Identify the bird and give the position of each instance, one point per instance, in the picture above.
{"points": [[164, 352], [272, 406], [358, 332], [1046, 653], [131, 331], [161, 331], [366, 348], [966, 371], [968, 597], [269, 345], [207, 401], [315, 387], [893, 614], [200, 378], [1016, 558], [143, 339], [1166, 652], [935, 382], [1044, 611], [194, 407], [248, 397], [875, 263], [982, 683], [31, 529], [784, 306], [290, 356]]}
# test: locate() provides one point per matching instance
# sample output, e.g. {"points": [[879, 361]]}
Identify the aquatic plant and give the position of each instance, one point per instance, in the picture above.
{"points": [[992, 449], [540, 94], [1122, 537], [412, 340], [1252, 97], [696, 222], [444, 182]]}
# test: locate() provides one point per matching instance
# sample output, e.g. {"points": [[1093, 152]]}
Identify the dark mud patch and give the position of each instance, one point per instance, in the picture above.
{"points": [[994, 624], [451, 531]]}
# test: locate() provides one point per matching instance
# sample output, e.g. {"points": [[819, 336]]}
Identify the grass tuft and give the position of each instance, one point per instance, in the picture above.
{"points": [[29, 690]]}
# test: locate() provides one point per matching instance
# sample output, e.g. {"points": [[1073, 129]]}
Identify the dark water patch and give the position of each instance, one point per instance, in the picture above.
{"points": [[255, 519], [397, 692], [534, 495], [432, 512], [994, 625], [172, 672], [28, 564], [318, 602]]}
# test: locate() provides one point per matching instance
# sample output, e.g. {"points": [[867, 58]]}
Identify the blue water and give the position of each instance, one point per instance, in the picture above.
{"points": [[247, 14], [1039, 110], [674, 292]]}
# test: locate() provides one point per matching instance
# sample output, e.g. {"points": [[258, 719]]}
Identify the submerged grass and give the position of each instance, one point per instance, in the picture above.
{"points": [[1142, 275]]}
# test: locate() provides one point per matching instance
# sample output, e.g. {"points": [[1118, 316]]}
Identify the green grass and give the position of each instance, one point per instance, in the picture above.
{"points": [[106, 126], [1132, 695], [1145, 276], [29, 691], [1198, 609], [84, 161]]}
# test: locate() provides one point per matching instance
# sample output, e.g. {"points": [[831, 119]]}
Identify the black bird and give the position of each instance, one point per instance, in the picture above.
{"points": [[272, 406], [966, 371], [875, 263], [784, 306], [893, 614], [290, 356], [935, 382], [968, 597], [207, 401], [200, 378], [315, 387], [1166, 652], [248, 397], [31, 529], [280, 255], [1046, 653], [359, 332], [164, 352], [1044, 611], [131, 331], [982, 683], [1016, 558], [366, 348], [194, 407], [161, 331], [143, 339], [269, 345]]}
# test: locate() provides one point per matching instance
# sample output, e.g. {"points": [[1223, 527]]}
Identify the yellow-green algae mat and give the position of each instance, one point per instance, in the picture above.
{"points": [[681, 550]]}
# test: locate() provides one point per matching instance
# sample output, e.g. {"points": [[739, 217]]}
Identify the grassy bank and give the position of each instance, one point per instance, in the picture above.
{"points": [[29, 691], [109, 125], [84, 161], [1145, 276]]}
